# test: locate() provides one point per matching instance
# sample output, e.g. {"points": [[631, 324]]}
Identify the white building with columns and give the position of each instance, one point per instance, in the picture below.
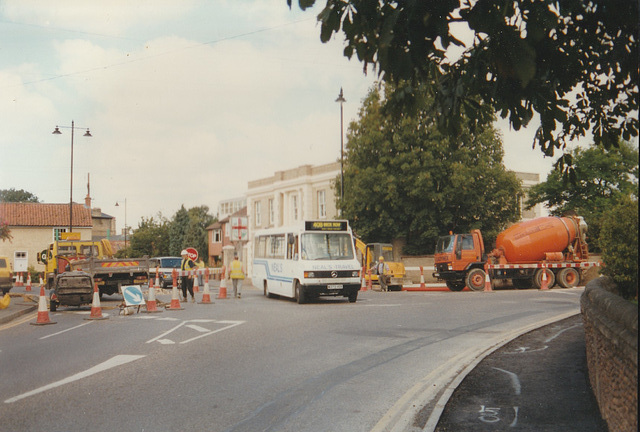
{"points": [[294, 195]]}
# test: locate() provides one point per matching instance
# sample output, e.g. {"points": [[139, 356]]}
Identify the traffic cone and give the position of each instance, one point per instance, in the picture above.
{"points": [[369, 282], [96, 310], [422, 284], [19, 281], [206, 296], [28, 288], [545, 280], [363, 285], [487, 280], [152, 306], [196, 281], [222, 293], [43, 312], [175, 298]]}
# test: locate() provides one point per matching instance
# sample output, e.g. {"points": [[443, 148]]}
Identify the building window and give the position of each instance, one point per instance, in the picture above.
{"points": [[57, 233], [216, 236], [294, 207], [272, 212], [322, 205], [258, 213]]}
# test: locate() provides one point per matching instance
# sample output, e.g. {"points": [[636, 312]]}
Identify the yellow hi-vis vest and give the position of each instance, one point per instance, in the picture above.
{"points": [[236, 270]]}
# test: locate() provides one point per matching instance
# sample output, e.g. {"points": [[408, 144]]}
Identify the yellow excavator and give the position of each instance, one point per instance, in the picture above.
{"points": [[369, 255]]}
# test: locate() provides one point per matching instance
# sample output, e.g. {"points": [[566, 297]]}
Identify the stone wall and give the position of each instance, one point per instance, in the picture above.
{"points": [[611, 334]]}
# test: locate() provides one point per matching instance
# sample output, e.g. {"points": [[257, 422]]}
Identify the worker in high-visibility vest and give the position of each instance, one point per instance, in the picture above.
{"points": [[236, 273]]}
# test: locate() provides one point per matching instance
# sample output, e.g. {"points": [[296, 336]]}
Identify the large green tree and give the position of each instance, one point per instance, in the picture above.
{"points": [[573, 62], [405, 179], [14, 195], [188, 229], [601, 180], [151, 238]]}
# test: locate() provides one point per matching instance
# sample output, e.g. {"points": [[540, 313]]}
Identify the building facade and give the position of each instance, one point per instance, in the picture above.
{"points": [[34, 226], [294, 195]]}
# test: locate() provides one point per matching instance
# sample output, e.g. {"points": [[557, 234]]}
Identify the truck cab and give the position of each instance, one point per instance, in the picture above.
{"points": [[58, 256], [456, 255]]}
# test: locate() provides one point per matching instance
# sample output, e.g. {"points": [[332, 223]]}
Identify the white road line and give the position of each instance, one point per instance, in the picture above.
{"points": [[64, 331], [118, 360], [236, 323], [197, 328], [515, 381], [167, 332]]}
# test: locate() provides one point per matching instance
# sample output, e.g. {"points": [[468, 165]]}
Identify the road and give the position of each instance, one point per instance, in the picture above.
{"points": [[379, 364]]}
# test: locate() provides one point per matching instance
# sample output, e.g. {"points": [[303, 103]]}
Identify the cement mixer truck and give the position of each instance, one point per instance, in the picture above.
{"points": [[524, 253]]}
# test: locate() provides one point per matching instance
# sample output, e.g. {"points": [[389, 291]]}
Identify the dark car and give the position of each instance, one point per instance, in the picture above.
{"points": [[72, 288]]}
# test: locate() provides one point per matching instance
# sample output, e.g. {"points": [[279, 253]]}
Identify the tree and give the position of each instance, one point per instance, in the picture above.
{"points": [[151, 238], [13, 195], [619, 239], [574, 62], [405, 179], [601, 180], [188, 229]]}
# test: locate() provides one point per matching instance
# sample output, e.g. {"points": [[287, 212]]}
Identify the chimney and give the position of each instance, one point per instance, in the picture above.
{"points": [[87, 199]]}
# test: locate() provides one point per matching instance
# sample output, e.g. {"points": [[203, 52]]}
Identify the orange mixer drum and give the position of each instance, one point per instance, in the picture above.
{"points": [[531, 240]]}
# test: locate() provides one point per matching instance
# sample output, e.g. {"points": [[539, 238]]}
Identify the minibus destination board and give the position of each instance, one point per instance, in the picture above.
{"points": [[325, 225]]}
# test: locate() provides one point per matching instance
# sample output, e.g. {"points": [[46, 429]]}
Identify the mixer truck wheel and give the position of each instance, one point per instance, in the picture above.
{"points": [[568, 278], [476, 279], [455, 285]]}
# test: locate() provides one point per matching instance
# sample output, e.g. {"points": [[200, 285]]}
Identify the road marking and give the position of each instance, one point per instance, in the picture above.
{"points": [[515, 381], [205, 332], [19, 321], [562, 331], [118, 360], [64, 331], [197, 328]]}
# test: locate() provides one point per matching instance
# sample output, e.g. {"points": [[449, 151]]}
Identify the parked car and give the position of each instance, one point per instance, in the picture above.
{"points": [[6, 275], [165, 267]]}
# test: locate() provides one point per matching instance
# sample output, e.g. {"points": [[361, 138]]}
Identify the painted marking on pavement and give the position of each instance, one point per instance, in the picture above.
{"points": [[205, 332], [64, 331], [118, 360], [515, 381], [562, 331]]}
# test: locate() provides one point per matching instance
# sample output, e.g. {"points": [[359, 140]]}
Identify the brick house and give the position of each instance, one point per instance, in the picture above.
{"points": [[220, 238]]}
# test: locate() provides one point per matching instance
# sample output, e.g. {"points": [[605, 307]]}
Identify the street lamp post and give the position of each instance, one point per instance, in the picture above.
{"points": [[341, 100], [56, 131], [125, 221]]}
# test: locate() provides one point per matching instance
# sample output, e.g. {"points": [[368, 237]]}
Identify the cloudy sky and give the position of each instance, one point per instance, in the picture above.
{"points": [[187, 100]]}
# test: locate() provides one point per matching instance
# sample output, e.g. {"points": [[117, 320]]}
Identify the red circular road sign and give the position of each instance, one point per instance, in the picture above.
{"points": [[192, 253]]}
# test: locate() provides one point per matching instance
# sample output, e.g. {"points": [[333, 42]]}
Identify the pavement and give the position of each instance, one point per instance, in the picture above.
{"points": [[536, 382]]}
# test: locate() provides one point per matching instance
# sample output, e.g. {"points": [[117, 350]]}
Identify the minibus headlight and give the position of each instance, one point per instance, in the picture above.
{"points": [[355, 273], [309, 275]]}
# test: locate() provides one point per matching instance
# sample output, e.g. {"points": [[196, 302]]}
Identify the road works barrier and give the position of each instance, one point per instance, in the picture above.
{"points": [[96, 310], [43, 312]]}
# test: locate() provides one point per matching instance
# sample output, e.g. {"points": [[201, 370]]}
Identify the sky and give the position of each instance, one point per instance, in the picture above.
{"points": [[186, 100]]}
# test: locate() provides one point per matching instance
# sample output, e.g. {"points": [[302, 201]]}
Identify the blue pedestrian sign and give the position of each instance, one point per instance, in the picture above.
{"points": [[132, 295]]}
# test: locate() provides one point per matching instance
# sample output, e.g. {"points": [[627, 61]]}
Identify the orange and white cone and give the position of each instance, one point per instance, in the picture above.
{"points": [[43, 312], [422, 284], [363, 285], [19, 281], [206, 296], [196, 280], [152, 305], [96, 310], [222, 293], [28, 288], [487, 281], [544, 285], [175, 298], [370, 281]]}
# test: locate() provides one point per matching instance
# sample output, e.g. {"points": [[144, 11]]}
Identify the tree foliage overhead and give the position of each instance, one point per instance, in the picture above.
{"points": [[13, 195], [574, 62], [602, 180], [404, 179]]}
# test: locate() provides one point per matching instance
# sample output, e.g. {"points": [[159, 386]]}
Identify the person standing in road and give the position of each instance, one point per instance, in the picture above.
{"points": [[382, 268], [236, 273], [186, 282]]}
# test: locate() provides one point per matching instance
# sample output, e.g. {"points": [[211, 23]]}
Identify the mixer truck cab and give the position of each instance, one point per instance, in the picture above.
{"points": [[456, 256]]}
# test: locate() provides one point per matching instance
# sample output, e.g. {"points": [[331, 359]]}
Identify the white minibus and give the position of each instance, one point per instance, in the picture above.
{"points": [[303, 262]]}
